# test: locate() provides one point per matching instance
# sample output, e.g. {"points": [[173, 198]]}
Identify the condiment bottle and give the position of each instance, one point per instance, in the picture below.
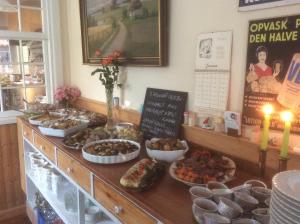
{"points": [[186, 118], [192, 119]]}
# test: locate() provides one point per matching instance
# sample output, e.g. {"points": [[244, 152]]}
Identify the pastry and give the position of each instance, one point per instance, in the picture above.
{"points": [[142, 174]]}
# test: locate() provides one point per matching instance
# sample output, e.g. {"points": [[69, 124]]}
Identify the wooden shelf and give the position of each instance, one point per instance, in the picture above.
{"points": [[67, 217]]}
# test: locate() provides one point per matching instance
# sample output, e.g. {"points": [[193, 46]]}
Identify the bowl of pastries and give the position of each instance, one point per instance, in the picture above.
{"points": [[166, 149]]}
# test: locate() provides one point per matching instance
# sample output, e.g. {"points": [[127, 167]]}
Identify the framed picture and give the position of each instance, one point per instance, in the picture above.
{"points": [[137, 28]]}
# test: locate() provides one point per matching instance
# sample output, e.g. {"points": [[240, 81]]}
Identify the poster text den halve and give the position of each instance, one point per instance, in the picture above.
{"points": [[273, 31]]}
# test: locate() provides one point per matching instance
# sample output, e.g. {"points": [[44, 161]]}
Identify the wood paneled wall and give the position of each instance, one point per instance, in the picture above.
{"points": [[11, 195]]}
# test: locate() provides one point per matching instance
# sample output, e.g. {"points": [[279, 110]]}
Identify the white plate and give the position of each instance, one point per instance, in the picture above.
{"points": [[227, 177], [62, 132], [276, 219], [285, 204], [288, 183], [279, 205], [110, 159], [284, 218], [285, 200], [168, 156], [283, 213]]}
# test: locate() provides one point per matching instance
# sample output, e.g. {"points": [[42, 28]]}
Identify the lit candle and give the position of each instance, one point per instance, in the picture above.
{"points": [[287, 117], [268, 110]]}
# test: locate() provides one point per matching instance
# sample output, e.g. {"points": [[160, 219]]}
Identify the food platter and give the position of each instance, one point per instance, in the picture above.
{"points": [[227, 177], [38, 119], [79, 139], [56, 132], [119, 158]]}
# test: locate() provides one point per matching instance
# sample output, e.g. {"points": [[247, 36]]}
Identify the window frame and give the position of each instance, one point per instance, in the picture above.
{"points": [[51, 42]]}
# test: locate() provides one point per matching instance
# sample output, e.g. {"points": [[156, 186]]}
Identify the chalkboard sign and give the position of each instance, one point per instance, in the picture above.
{"points": [[162, 113]]}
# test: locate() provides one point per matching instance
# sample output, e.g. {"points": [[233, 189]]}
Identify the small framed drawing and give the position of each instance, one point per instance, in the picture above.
{"points": [[137, 28], [214, 51]]}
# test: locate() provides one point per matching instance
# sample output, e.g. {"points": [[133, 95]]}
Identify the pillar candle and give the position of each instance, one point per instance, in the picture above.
{"points": [[265, 132], [286, 117], [268, 110], [285, 140]]}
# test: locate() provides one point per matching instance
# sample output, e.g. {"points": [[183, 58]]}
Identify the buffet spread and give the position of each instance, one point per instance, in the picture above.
{"points": [[85, 133]]}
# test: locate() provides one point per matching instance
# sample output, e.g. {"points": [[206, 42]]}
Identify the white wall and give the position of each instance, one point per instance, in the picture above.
{"points": [[187, 19]]}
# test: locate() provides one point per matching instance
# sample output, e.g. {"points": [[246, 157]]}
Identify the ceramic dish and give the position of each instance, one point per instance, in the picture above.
{"points": [[168, 156], [121, 158], [123, 125], [62, 132], [34, 119], [228, 177]]}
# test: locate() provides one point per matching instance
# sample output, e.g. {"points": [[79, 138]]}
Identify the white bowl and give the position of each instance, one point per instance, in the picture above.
{"points": [[168, 156], [110, 159], [90, 214], [120, 126]]}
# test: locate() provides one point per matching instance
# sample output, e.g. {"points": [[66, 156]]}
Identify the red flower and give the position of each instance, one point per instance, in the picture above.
{"points": [[104, 61], [110, 58], [97, 52], [116, 54]]}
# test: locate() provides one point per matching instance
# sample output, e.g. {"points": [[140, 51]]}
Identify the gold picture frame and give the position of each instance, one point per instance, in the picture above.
{"points": [[137, 28]]}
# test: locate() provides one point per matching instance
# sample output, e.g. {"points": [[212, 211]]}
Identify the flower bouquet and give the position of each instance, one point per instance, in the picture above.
{"points": [[66, 95], [108, 75]]}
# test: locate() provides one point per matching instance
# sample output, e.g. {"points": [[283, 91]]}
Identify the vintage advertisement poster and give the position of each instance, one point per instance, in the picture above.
{"points": [[247, 5], [272, 69]]}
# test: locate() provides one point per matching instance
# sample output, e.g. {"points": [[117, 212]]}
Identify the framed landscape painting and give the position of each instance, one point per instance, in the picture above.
{"points": [[137, 28]]}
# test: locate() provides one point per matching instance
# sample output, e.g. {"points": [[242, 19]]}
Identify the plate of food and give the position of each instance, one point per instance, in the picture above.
{"points": [[129, 133], [87, 135], [166, 149], [39, 119], [111, 151], [61, 127], [142, 174], [201, 167]]}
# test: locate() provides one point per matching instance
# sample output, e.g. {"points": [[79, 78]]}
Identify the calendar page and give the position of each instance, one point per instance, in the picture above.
{"points": [[211, 91], [212, 73], [213, 51]]}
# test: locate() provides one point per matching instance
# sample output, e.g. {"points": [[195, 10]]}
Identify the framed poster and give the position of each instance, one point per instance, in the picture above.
{"points": [[137, 28], [272, 58], [248, 5]]}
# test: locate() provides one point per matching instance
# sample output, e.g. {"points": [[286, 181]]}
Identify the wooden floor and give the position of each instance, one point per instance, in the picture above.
{"points": [[16, 220]]}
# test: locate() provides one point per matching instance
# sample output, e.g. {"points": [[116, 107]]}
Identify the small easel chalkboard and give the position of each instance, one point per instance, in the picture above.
{"points": [[162, 113]]}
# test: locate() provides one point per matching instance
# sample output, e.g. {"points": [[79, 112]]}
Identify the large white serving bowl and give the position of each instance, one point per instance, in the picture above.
{"points": [[110, 159], [168, 156]]}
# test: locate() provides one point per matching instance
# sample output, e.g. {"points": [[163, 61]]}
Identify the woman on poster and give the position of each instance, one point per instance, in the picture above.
{"points": [[261, 68]]}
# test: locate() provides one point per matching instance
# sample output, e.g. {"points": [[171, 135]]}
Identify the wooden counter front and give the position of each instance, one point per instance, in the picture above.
{"points": [[12, 198], [167, 201]]}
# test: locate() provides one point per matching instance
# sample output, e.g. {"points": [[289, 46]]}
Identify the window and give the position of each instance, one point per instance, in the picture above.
{"points": [[24, 53]]}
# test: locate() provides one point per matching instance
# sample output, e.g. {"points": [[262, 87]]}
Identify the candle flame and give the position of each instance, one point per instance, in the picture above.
{"points": [[286, 116], [268, 109]]}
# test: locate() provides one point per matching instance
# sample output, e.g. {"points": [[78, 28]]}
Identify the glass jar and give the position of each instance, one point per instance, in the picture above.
{"points": [[70, 199]]}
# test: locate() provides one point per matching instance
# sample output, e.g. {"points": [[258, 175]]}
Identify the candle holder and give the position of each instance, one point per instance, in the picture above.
{"points": [[262, 162], [282, 166]]}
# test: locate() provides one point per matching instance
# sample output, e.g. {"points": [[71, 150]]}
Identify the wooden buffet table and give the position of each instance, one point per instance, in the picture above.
{"points": [[168, 201]]}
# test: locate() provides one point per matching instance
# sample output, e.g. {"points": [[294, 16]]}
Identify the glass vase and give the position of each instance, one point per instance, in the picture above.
{"points": [[109, 90]]}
